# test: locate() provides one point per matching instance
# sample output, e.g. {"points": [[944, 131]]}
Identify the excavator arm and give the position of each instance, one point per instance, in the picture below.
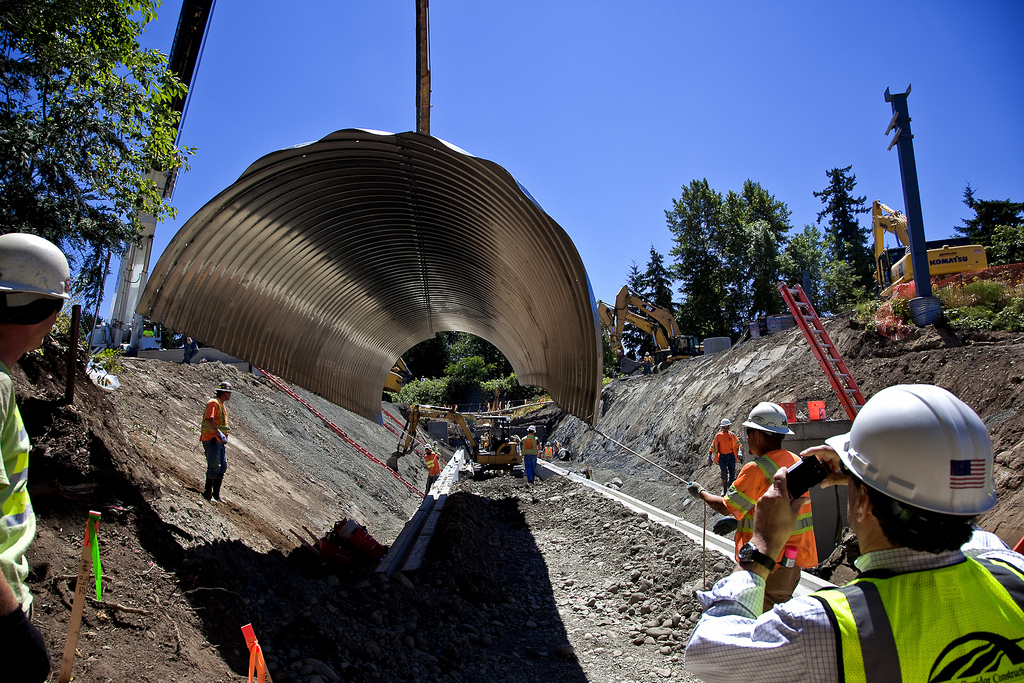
{"points": [[408, 436]]}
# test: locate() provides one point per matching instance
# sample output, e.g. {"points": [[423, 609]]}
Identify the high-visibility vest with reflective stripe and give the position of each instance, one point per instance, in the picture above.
{"points": [[754, 479], [433, 463], [18, 523], [964, 622], [214, 417], [528, 445]]}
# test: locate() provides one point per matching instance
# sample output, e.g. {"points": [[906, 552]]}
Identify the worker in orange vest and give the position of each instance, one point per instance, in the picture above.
{"points": [[529, 448], [725, 448], [433, 461], [766, 427], [214, 437]]}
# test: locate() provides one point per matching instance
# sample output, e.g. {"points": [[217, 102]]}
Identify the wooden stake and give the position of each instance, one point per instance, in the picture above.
{"points": [[71, 643]]}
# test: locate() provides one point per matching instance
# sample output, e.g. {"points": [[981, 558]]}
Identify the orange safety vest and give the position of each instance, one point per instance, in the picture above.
{"points": [[753, 481], [725, 443], [214, 417], [529, 445], [433, 463]]}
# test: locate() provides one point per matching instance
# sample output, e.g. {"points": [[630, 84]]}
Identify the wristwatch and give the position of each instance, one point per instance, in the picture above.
{"points": [[749, 553]]}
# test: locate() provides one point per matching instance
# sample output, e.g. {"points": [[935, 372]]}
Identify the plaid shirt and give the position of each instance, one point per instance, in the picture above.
{"points": [[733, 641]]}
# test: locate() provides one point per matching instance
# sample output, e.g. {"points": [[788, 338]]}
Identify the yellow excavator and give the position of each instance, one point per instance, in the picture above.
{"points": [[398, 377], [496, 448], [646, 317], [893, 266]]}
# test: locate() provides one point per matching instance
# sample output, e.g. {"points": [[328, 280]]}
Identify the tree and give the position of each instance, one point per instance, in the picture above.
{"points": [[841, 287], [758, 224], [86, 113], [805, 252], [636, 342], [988, 214], [697, 223], [658, 281], [848, 238]]}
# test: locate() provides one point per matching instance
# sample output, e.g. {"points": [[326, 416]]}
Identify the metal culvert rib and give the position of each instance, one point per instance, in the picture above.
{"points": [[324, 263]]}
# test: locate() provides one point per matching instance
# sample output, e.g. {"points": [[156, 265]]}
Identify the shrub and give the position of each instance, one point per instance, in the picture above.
{"points": [[109, 360]]}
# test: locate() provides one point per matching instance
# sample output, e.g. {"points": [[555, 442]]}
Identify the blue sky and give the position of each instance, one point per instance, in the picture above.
{"points": [[604, 110]]}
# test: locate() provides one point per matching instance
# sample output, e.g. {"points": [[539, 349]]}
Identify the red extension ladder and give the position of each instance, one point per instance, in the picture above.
{"points": [[824, 350]]}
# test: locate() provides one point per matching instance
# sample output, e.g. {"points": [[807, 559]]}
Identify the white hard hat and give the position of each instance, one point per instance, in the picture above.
{"points": [[34, 266], [923, 446], [531, 429], [725, 423], [769, 417], [224, 386]]}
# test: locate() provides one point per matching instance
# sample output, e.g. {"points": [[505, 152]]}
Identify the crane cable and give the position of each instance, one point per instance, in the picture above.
{"points": [[704, 543], [630, 450]]}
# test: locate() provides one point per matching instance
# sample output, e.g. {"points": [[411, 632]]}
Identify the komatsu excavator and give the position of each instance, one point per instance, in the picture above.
{"points": [[893, 266], [645, 316]]}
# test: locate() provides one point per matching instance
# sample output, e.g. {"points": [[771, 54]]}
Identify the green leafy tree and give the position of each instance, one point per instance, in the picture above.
{"points": [[757, 231], [464, 345], [763, 206], [85, 114], [848, 239], [1007, 245], [701, 253], [988, 216], [805, 252], [764, 266], [842, 286]]}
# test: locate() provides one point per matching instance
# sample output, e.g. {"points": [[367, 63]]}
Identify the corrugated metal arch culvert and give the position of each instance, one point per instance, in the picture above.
{"points": [[323, 263]]}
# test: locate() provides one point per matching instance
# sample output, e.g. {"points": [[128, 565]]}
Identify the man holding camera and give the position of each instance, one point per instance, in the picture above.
{"points": [[937, 598], [766, 427]]}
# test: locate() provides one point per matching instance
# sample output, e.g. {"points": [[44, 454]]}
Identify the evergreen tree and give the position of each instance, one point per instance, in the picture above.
{"points": [[636, 342], [658, 281], [848, 238], [988, 215]]}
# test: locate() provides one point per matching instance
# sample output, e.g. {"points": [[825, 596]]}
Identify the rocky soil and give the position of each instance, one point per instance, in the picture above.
{"points": [[522, 583]]}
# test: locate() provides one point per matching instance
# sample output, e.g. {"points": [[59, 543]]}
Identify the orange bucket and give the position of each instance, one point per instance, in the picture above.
{"points": [[816, 409], [790, 409]]}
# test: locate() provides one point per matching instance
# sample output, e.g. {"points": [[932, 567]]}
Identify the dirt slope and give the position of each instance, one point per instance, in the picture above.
{"points": [[670, 417], [503, 593]]}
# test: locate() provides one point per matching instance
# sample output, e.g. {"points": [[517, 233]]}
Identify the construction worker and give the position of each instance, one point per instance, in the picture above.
{"points": [[648, 364], [766, 427], [529, 448], [938, 599], [725, 449], [214, 437], [433, 462], [34, 283]]}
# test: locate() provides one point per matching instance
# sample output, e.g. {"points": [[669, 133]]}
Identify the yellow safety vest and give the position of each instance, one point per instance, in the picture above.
{"points": [[529, 445], [18, 523], [433, 463], [963, 623]]}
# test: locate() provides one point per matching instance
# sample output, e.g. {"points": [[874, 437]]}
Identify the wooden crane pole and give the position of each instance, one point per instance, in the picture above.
{"points": [[422, 68]]}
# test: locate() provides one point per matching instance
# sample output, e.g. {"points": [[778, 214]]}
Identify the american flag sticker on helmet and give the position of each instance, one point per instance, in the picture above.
{"points": [[966, 474]]}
